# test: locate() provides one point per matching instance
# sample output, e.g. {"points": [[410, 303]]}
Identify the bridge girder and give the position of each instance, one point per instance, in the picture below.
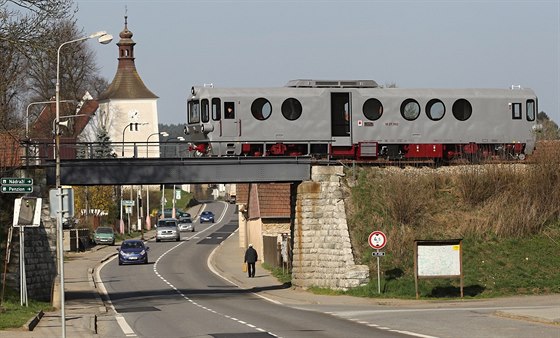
{"points": [[143, 171]]}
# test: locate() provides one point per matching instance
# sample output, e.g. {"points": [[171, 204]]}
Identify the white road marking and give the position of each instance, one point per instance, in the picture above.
{"points": [[126, 329], [194, 302]]}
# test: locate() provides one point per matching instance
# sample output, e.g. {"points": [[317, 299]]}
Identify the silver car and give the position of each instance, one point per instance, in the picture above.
{"points": [[168, 229], [186, 224]]}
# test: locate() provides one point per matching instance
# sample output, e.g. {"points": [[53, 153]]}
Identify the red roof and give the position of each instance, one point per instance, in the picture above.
{"points": [[270, 200], [42, 128]]}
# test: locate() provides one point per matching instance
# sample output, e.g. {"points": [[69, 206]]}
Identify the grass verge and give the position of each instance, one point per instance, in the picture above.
{"points": [[13, 315]]}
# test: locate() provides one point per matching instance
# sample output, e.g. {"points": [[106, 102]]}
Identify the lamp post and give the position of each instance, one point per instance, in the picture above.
{"points": [[103, 38], [148, 219], [27, 113], [162, 133], [132, 126]]}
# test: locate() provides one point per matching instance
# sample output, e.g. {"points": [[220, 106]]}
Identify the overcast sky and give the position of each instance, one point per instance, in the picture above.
{"points": [[266, 43]]}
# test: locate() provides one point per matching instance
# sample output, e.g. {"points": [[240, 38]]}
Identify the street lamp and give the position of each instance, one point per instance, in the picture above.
{"points": [[132, 126], [103, 38], [27, 113], [162, 133]]}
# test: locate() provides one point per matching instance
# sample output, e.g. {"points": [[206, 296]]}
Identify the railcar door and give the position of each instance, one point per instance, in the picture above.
{"points": [[341, 118], [230, 122]]}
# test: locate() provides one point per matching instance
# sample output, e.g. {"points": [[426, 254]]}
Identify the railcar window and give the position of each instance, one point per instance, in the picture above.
{"points": [[531, 110], [229, 110], [204, 110], [194, 113], [291, 109], [216, 109], [410, 109], [372, 109], [261, 109], [516, 111], [435, 109], [462, 109]]}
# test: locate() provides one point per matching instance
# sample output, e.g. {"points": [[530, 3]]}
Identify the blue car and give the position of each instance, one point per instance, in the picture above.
{"points": [[133, 251], [207, 216]]}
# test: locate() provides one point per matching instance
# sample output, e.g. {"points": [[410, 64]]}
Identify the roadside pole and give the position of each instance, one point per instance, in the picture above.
{"points": [[377, 240]]}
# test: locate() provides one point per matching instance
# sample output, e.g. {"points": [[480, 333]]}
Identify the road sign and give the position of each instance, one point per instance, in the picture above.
{"points": [[16, 181], [67, 207], [378, 254], [17, 185], [377, 240], [128, 203], [18, 189], [27, 212]]}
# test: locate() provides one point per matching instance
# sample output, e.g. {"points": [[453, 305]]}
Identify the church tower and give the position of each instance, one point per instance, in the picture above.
{"points": [[128, 108]]}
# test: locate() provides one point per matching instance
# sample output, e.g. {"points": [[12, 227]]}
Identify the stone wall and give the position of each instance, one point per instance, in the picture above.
{"points": [[322, 253], [40, 259]]}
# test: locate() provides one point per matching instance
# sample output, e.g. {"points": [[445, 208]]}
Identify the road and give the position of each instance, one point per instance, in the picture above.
{"points": [[177, 295]]}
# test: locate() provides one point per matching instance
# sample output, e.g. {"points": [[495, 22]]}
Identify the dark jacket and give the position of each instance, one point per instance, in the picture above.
{"points": [[251, 255]]}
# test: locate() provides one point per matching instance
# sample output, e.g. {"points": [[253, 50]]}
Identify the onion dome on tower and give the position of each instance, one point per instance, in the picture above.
{"points": [[127, 84]]}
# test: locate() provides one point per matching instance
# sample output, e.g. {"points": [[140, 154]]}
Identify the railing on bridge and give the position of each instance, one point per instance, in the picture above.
{"points": [[38, 153]]}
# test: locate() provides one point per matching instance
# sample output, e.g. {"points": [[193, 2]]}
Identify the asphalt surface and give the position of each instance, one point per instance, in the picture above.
{"points": [[87, 315]]}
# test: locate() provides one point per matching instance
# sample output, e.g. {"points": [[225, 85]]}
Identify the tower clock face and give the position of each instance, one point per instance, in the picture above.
{"points": [[134, 115]]}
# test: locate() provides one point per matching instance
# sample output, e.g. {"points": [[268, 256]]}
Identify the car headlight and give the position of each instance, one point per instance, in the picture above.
{"points": [[142, 252]]}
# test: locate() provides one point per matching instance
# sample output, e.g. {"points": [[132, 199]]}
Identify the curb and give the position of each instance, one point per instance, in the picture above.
{"points": [[527, 317], [30, 325]]}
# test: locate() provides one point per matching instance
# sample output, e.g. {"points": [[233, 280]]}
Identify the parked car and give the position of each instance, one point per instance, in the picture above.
{"points": [[133, 251], [168, 213], [186, 224], [207, 216], [168, 229], [104, 235], [232, 199]]}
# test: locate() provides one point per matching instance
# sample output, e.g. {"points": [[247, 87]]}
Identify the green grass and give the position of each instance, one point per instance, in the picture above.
{"points": [[491, 269], [509, 226], [13, 315], [283, 275]]}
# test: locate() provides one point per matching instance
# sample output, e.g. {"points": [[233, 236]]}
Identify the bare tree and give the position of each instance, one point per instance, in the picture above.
{"points": [[23, 23], [24, 29], [78, 71], [12, 83]]}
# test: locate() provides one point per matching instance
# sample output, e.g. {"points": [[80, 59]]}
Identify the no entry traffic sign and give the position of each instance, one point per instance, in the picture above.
{"points": [[377, 240]]}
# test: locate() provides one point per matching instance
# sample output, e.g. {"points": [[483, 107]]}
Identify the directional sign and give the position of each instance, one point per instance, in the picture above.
{"points": [[18, 189], [16, 181], [377, 240], [17, 185]]}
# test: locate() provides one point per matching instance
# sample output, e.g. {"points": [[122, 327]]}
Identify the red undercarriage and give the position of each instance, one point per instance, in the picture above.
{"points": [[367, 151]]}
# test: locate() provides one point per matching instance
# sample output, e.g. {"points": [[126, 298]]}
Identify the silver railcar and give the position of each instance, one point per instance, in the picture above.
{"points": [[359, 120]]}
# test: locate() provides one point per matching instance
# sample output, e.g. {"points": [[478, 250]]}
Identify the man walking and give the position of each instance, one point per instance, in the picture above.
{"points": [[251, 257]]}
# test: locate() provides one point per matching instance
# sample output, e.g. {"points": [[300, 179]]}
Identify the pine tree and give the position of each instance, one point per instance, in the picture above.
{"points": [[103, 146]]}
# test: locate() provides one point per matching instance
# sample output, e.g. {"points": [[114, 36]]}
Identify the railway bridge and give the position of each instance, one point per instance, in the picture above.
{"points": [[321, 251]]}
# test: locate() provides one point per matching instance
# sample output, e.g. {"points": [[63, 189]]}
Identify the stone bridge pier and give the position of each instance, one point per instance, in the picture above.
{"points": [[322, 251]]}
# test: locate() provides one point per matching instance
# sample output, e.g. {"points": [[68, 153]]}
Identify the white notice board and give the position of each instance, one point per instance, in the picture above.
{"points": [[437, 260]]}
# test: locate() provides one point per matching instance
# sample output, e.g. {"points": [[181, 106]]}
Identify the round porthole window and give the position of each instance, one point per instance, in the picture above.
{"points": [[462, 110], [435, 109], [261, 109], [372, 109], [291, 109], [410, 109]]}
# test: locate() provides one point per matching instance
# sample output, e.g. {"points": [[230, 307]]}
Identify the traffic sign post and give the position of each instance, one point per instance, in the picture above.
{"points": [[377, 240], [17, 185]]}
